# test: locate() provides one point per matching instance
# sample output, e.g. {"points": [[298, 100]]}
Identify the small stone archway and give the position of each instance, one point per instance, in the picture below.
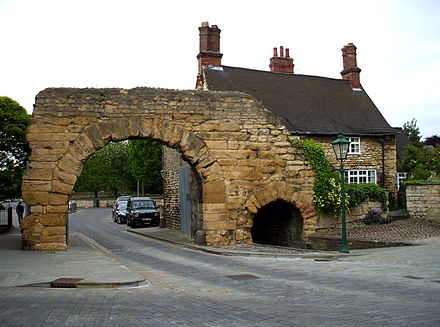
{"points": [[238, 149]]}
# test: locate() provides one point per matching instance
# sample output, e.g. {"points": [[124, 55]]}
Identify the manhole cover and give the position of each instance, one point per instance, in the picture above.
{"points": [[65, 282], [243, 277]]}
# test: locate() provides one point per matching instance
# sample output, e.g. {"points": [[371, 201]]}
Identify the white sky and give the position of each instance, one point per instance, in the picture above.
{"points": [[130, 43]]}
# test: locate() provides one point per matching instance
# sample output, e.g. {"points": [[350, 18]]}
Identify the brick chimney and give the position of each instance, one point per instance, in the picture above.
{"points": [[351, 71], [281, 63], [209, 50], [209, 46]]}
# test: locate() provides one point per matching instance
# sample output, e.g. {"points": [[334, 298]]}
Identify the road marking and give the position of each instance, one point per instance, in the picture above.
{"points": [[94, 243]]}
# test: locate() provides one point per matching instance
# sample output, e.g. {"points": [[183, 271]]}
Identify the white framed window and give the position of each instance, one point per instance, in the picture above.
{"points": [[401, 177], [360, 176], [355, 145]]}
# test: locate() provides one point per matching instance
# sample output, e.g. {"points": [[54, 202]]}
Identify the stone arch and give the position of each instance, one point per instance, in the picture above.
{"points": [[273, 192], [238, 149]]}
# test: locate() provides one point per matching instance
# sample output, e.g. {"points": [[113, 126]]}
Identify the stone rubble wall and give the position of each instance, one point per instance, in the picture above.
{"points": [[239, 151], [423, 201]]}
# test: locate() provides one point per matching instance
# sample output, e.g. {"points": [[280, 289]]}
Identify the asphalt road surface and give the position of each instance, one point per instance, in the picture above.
{"points": [[381, 287]]}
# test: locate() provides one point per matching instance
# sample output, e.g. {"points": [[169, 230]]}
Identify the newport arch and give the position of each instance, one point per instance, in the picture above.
{"points": [[239, 151]]}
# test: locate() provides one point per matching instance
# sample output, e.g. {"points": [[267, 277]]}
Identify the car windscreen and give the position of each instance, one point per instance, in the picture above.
{"points": [[122, 205], [143, 204]]}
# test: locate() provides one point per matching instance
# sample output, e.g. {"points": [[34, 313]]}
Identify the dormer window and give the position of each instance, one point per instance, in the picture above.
{"points": [[355, 145]]}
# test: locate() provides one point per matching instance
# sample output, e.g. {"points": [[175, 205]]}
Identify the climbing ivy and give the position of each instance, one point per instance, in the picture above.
{"points": [[327, 187]]}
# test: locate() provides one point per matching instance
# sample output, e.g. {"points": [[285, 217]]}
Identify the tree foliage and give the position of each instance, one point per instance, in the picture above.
{"points": [[14, 149], [433, 140], [412, 131], [117, 167], [107, 170], [422, 163], [146, 164]]}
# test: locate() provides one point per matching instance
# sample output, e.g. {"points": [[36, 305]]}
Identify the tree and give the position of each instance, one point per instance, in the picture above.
{"points": [[412, 131], [420, 162], [146, 164], [14, 149], [433, 140], [107, 170]]}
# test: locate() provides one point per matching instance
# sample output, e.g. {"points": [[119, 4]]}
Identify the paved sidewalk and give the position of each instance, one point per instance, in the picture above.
{"points": [[83, 260]]}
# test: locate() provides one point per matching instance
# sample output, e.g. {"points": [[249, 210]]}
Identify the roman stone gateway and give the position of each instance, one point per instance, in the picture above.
{"points": [[236, 147]]}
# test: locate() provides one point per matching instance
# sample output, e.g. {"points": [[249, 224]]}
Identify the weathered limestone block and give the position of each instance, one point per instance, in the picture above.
{"points": [[53, 219], [32, 185], [214, 192], [68, 178], [94, 136], [56, 209], [36, 197], [82, 148], [70, 164], [54, 231], [60, 187], [56, 199], [38, 174]]}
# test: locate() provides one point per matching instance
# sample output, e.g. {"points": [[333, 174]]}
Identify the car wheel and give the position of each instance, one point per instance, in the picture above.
{"points": [[128, 222], [155, 223], [118, 220]]}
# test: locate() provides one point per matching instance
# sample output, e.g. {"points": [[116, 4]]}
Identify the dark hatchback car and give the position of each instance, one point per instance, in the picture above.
{"points": [[120, 213], [142, 211]]}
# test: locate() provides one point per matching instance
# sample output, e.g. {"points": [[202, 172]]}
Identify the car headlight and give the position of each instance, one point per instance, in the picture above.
{"points": [[156, 214], [135, 215]]}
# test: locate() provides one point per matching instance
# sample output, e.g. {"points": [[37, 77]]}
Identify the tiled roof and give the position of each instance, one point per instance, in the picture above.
{"points": [[306, 104]]}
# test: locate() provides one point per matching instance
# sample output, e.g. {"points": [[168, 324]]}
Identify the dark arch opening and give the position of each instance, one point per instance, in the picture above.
{"points": [[278, 223]]}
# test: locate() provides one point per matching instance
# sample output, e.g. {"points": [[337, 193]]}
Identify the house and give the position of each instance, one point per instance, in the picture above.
{"points": [[312, 107]]}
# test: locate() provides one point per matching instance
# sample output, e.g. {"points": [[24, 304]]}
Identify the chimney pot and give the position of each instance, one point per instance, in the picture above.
{"points": [[205, 24], [281, 64]]}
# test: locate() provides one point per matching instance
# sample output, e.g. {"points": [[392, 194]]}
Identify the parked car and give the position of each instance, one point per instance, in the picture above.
{"points": [[142, 211], [119, 199], [120, 213]]}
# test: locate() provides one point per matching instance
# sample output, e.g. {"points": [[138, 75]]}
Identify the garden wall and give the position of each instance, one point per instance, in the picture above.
{"points": [[423, 201], [353, 215]]}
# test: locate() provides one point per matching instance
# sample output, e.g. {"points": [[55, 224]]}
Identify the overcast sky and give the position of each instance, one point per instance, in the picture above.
{"points": [[130, 43]]}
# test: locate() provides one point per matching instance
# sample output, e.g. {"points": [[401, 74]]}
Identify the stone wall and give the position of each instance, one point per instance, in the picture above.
{"points": [[423, 201], [237, 150], [171, 162], [376, 153], [329, 221]]}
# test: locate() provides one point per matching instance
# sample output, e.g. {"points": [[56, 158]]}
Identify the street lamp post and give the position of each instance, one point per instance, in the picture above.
{"points": [[340, 147]]}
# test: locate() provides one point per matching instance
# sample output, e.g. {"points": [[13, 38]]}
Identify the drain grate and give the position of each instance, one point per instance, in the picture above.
{"points": [[243, 277], [65, 282]]}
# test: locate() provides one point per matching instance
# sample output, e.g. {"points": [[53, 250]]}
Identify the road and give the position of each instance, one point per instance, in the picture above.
{"points": [[380, 287]]}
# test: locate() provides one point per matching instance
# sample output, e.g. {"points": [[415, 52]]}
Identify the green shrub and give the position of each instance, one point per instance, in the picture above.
{"points": [[360, 193]]}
